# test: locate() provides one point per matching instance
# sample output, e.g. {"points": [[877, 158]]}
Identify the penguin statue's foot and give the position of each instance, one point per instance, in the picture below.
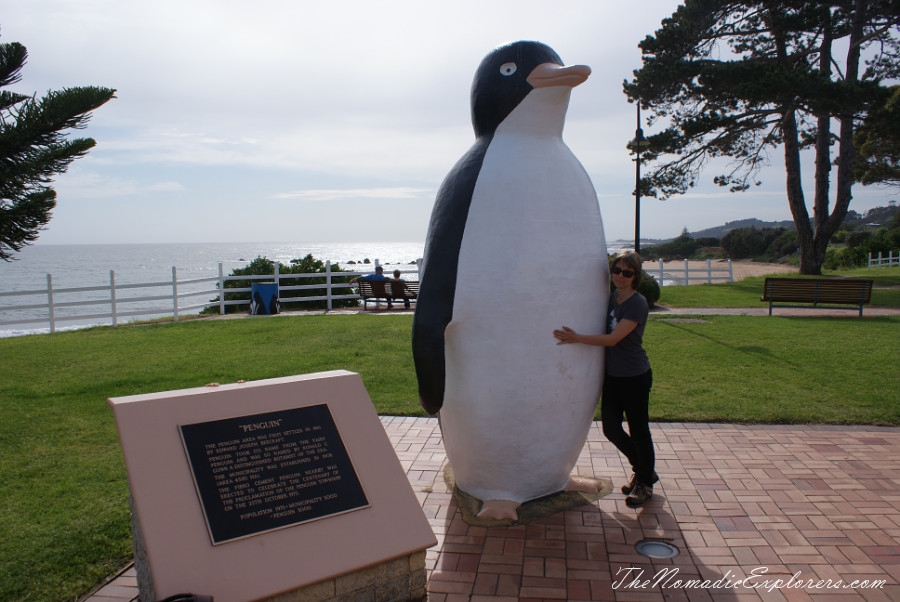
{"points": [[500, 510], [584, 485]]}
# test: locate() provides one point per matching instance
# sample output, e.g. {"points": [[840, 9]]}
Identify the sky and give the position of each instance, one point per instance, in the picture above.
{"points": [[307, 122]]}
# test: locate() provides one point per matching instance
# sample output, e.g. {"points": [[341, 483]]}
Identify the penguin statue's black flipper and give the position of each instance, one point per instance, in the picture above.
{"points": [[500, 84], [434, 304]]}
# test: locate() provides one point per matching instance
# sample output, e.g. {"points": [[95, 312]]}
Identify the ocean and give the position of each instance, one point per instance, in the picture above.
{"points": [[81, 265], [90, 265]]}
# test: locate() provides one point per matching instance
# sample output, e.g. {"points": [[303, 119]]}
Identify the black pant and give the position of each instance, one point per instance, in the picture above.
{"points": [[630, 397]]}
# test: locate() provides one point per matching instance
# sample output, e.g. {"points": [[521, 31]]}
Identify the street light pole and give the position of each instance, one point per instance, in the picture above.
{"points": [[638, 143]]}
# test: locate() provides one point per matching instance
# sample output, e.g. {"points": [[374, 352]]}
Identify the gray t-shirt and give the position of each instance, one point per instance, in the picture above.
{"points": [[627, 357]]}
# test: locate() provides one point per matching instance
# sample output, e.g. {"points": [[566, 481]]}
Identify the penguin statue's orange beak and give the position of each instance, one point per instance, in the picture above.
{"points": [[551, 74]]}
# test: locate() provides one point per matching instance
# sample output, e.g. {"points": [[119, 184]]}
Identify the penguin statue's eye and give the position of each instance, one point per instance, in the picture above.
{"points": [[507, 69]]}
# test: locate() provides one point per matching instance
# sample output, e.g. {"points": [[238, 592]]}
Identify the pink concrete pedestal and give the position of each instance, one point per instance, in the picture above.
{"points": [[377, 551]]}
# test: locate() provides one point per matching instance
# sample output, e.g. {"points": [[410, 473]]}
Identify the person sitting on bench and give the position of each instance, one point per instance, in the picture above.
{"points": [[378, 275], [398, 289]]}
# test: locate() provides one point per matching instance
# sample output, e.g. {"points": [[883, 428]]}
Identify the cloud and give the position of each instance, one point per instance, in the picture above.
{"points": [[83, 184], [223, 104], [87, 184], [356, 193], [166, 187]]}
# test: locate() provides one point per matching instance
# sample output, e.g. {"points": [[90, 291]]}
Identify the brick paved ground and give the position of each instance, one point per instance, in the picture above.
{"points": [[799, 504]]}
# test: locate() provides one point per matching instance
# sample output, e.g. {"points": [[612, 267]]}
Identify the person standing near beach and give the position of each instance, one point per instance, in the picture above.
{"points": [[628, 380]]}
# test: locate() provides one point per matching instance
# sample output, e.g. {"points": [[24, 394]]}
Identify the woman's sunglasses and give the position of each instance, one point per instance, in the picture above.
{"points": [[627, 273]]}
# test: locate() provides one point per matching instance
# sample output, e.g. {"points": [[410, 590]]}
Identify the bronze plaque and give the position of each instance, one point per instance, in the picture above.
{"points": [[269, 471]]}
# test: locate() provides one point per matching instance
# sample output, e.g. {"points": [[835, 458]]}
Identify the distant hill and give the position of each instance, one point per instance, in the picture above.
{"points": [[879, 216], [720, 231]]}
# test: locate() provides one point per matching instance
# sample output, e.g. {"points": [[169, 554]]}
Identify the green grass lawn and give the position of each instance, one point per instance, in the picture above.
{"points": [[746, 293], [64, 516]]}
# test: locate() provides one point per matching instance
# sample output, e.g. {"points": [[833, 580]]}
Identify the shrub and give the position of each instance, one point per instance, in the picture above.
{"points": [[844, 258], [854, 256], [649, 287], [783, 245], [858, 238], [708, 241], [262, 266], [742, 243], [767, 244]]}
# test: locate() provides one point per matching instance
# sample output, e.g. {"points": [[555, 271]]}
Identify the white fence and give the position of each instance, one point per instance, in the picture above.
{"points": [[671, 275], [881, 262], [113, 302]]}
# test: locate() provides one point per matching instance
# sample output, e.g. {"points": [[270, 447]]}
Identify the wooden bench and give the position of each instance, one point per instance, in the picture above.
{"points": [[374, 291], [817, 291]]}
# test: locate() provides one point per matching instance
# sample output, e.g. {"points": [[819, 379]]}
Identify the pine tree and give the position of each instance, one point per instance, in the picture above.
{"points": [[34, 148], [878, 144], [738, 79]]}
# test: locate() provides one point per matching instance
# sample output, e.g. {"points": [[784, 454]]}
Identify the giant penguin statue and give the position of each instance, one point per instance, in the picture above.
{"points": [[515, 247]]}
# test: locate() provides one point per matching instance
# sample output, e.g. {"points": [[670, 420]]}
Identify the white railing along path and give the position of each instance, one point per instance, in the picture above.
{"points": [[884, 262], [671, 276], [110, 303]]}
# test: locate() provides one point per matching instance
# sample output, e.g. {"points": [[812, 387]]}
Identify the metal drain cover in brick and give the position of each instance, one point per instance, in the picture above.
{"points": [[656, 548]]}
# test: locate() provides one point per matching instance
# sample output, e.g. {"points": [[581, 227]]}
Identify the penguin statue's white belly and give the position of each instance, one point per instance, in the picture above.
{"points": [[517, 406]]}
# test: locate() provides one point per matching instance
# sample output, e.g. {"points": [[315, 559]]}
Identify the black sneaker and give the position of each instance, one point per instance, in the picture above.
{"points": [[640, 494], [629, 486]]}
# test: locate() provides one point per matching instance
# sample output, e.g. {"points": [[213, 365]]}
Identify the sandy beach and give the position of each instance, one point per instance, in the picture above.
{"points": [[743, 269]]}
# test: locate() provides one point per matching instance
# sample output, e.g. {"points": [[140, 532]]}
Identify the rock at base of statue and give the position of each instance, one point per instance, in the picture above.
{"points": [[471, 507]]}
